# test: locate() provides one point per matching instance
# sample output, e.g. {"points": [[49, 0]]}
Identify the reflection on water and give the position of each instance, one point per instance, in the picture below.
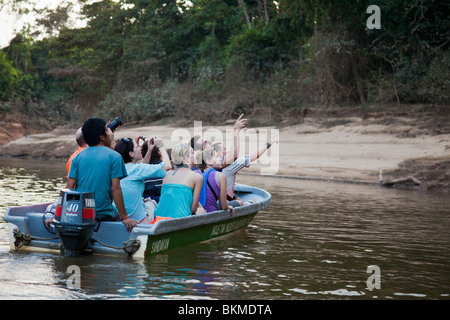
{"points": [[315, 241], [24, 182]]}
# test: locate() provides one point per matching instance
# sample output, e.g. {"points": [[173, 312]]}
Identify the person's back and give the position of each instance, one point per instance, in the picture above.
{"points": [[212, 191], [93, 169], [175, 201], [133, 185], [181, 186], [99, 170]]}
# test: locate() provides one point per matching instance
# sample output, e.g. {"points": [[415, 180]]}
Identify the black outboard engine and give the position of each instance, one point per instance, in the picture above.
{"points": [[74, 221]]}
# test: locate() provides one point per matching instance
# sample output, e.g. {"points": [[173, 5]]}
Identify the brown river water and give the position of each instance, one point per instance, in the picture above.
{"points": [[317, 240]]}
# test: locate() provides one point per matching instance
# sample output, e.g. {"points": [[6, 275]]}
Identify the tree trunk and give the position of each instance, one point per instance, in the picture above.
{"points": [[359, 86], [380, 92], [242, 4], [265, 12]]}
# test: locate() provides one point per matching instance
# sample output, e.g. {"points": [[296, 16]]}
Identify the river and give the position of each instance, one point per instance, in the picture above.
{"points": [[317, 240]]}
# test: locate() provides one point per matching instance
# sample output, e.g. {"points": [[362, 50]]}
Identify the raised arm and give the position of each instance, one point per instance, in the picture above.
{"points": [[158, 143], [238, 126], [164, 157], [150, 147], [233, 151], [263, 148]]}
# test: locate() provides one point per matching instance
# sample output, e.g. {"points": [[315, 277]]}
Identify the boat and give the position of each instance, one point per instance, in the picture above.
{"points": [[27, 230]]}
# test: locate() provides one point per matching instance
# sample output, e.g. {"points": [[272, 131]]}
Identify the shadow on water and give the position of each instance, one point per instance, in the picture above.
{"points": [[315, 241]]}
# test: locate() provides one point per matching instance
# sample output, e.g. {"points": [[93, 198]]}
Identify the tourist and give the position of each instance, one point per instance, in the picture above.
{"points": [[98, 169], [199, 143], [152, 188], [133, 185], [81, 146], [240, 163], [214, 182], [181, 187], [155, 152]]}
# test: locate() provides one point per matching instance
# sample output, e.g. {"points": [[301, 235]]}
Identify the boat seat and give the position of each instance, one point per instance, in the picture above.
{"points": [[36, 226]]}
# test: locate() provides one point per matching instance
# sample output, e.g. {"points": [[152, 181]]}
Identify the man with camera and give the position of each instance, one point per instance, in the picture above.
{"points": [[99, 169]]}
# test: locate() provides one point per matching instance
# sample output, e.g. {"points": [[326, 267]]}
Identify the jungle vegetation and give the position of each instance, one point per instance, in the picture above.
{"points": [[211, 60]]}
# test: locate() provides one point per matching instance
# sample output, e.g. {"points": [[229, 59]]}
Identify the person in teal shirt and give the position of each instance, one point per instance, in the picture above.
{"points": [[133, 185], [181, 187], [99, 169]]}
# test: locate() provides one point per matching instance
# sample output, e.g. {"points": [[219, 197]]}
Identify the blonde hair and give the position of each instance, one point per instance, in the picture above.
{"points": [[180, 152]]}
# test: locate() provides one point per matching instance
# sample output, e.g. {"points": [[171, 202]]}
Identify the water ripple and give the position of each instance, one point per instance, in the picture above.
{"points": [[315, 241]]}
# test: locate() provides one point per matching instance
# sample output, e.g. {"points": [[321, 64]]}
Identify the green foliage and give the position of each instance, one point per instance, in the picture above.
{"points": [[256, 49], [8, 78], [135, 57], [148, 105]]}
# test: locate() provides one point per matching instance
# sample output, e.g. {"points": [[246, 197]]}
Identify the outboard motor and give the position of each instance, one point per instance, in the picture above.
{"points": [[74, 220]]}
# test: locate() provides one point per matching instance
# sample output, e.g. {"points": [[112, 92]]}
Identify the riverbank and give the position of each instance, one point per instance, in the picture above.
{"points": [[349, 149]]}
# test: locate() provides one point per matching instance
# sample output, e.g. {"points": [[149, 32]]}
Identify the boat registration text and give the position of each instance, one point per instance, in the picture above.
{"points": [[223, 228]]}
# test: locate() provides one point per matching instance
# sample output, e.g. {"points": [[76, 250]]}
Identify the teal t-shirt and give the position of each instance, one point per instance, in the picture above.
{"points": [[133, 186], [93, 168], [175, 201]]}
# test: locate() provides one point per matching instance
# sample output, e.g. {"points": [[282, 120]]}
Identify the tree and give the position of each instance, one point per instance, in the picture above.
{"points": [[244, 11], [53, 20], [8, 78]]}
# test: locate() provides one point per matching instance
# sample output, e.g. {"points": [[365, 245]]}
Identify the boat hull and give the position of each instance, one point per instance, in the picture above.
{"points": [[175, 239], [27, 231]]}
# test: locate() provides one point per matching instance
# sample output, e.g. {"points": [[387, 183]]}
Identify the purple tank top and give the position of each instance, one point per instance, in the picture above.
{"points": [[211, 200]]}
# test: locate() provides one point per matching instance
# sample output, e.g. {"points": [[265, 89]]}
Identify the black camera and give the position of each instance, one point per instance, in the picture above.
{"points": [[113, 125]]}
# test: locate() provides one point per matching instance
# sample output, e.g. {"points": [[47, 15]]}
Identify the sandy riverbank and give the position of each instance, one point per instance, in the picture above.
{"points": [[356, 150]]}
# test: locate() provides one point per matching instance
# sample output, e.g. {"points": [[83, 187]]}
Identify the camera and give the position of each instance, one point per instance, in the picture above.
{"points": [[138, 139], [113, 125]]}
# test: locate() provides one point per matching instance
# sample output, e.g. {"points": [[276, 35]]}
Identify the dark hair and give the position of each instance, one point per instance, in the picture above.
{"points": [[201, 156], [202, 166], [124, 147], [144, 149], [155, 157], [194, 144], [92, 130]]}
